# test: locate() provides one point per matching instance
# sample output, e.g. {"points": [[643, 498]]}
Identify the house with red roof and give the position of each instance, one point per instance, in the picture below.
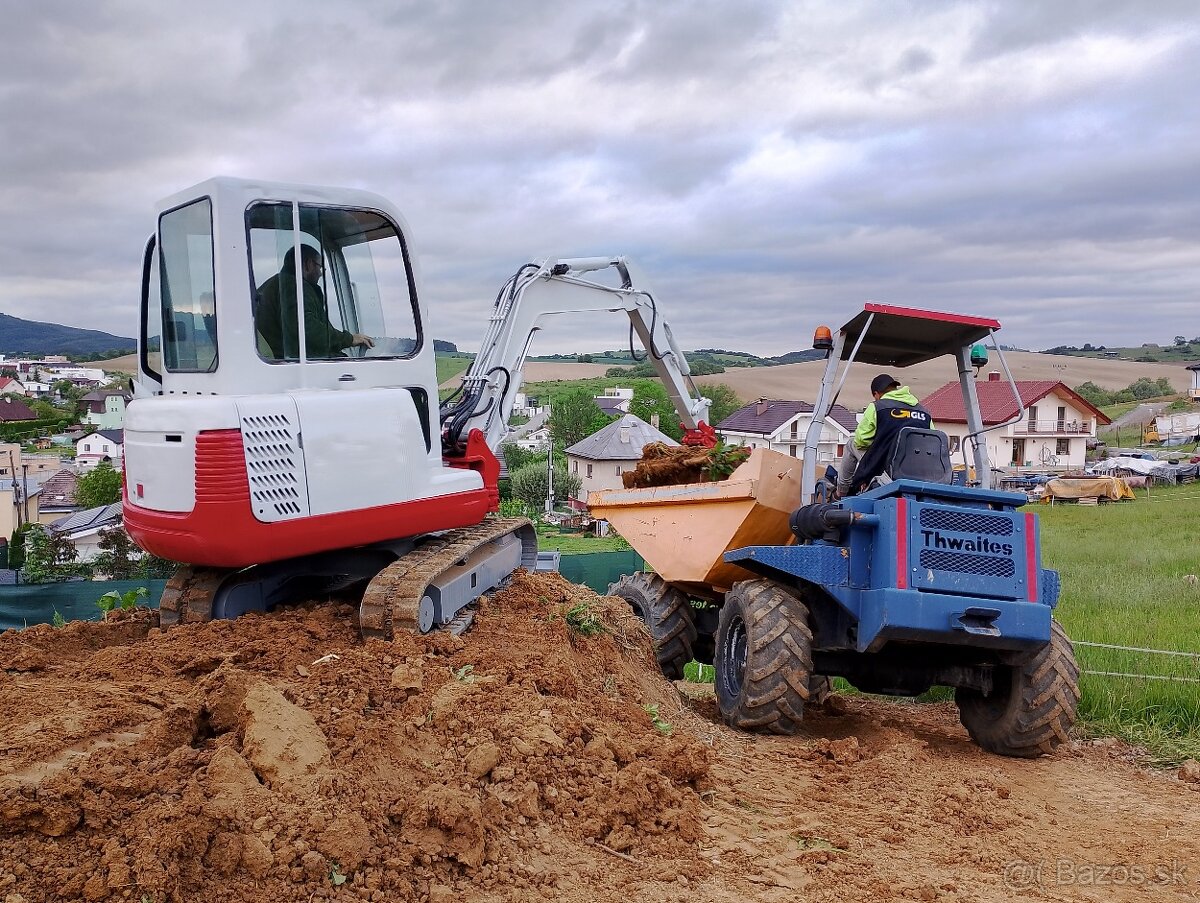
{"points": [[1051, 433], [783, 426], [10, 386]]}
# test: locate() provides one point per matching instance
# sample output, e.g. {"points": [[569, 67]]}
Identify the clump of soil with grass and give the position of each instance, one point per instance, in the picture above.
{"points": [[280, 758], [672, 465]]}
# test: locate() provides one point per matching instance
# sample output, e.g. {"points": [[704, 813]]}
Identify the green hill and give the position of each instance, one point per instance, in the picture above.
{"points": [[19, 336]]}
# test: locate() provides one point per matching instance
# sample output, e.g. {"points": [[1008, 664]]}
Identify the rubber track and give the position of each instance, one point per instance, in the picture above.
{"points": [[188, 595], [1049, 688], [778, 660], [667, 613], [393, 597]]}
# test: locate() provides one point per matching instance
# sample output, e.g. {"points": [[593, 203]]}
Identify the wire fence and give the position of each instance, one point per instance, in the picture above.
{"points": [[1141, 650]]}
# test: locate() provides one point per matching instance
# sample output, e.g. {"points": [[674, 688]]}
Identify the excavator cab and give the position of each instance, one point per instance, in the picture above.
{"points": [[242, 284]]}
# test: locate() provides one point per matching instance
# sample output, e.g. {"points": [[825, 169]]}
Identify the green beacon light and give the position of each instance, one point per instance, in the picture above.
{"points": [[979, 356]]}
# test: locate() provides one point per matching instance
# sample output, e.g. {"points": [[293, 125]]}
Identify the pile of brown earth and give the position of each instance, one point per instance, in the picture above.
{"points": [[280, 758]]}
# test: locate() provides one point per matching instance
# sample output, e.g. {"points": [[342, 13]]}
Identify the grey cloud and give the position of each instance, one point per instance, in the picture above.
{"points": [[770, 164]]}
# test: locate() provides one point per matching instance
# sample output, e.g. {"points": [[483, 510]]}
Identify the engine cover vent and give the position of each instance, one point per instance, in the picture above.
{"points": [[274, 459]]}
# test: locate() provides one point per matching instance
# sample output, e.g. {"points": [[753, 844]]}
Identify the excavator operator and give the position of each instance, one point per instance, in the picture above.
{"points": [[275, 313], [868, 450]]}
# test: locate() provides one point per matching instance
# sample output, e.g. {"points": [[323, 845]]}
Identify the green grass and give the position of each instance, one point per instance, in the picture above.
{"points": [[1122, 567], [569, 543], [449, 365]]}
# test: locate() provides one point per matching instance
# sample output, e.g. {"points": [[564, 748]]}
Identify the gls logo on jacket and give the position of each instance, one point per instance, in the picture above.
{"points": [[908, 414]]}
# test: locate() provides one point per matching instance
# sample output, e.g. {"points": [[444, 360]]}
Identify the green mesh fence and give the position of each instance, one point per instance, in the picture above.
{"points": [[599, 569], [36, 603]]}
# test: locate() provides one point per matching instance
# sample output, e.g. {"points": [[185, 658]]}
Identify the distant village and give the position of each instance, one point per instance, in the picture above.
{"points": [[39, 470]]}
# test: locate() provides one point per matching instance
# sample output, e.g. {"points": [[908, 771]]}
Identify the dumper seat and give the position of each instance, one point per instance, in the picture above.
{"points": [[921, 455]]}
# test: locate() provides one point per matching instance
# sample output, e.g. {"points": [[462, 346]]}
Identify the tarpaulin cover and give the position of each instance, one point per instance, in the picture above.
{"points": [[1113, 488]]}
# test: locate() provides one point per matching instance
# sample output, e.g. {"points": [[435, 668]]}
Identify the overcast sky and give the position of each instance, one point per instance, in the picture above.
{"points": [[770, 165]]}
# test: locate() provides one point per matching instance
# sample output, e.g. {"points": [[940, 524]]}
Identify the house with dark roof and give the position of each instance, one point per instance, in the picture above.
{"points": [[11, 410], [102, 445], [58, 496], [601, 458], [615, 401], [104, 408], [1052, 433], [85, 529], [783, 426]]}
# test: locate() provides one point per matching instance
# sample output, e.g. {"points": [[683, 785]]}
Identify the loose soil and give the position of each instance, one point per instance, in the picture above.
{"points": [[279, 758], [668, 465]]}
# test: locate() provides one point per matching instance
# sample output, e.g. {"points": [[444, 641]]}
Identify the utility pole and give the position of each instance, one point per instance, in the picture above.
{"points": [[550, 477], [12, 469]]}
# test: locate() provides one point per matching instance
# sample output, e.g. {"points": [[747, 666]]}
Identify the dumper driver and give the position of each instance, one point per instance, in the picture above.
{"points": [[867, 453]]}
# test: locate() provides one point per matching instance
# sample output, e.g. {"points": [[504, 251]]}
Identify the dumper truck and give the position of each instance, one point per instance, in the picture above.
{"points": [[927, 580]]}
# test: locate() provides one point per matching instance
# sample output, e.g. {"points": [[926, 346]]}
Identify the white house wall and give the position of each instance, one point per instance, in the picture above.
{"points": [[1042, 444], [833, 437], [604, 475]]}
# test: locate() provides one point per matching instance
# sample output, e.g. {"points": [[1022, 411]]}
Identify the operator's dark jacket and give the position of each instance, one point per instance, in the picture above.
{"points": [[275, 319], [891, 416]]}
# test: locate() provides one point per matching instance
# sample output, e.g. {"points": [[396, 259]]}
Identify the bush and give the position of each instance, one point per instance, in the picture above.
{"points": [[529, 485]]}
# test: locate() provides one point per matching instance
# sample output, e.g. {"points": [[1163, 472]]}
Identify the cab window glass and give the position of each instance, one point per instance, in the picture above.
{"points": [[354, 279], [186, 291]]}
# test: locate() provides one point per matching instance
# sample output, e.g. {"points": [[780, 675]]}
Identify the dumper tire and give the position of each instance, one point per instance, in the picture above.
{"points": [[668, 614], [1031, 708], [820, 688], [763, 661]]}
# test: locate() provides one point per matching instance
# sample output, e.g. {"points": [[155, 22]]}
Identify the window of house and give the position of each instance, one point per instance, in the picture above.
{"points": [[1064, 447], [355, 280], [618, 470], [955, 441], [792, 450], [589, 470], [575, 467]]}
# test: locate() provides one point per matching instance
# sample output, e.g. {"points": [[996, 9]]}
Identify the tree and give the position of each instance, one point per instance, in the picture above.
{"points": [[49, 556], [575, 416], [516, 457], [650, 399], [724, 401], [47, 411], [100, 486], [529, 485], [119, 557]]}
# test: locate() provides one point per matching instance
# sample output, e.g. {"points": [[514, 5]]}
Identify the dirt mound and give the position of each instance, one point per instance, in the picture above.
{"points": [[283, 759], [278, 759]]}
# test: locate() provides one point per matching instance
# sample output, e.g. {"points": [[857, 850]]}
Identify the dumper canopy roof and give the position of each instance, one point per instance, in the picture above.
{"points": [[904, 336]]}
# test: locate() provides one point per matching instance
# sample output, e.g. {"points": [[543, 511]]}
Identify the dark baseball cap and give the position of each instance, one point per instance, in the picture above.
{"points": [[882, 383]]}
